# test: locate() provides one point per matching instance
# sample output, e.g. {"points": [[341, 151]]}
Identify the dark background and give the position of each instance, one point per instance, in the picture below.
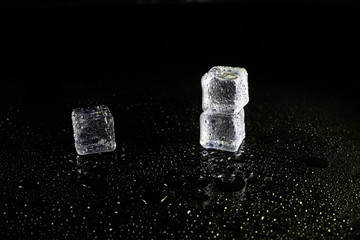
{"points": [[301, 43], [145, 59]]}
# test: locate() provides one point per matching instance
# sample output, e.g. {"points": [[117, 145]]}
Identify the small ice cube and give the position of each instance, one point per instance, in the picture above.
{"points": [[222, 131], [93, 130], [225, 90]]}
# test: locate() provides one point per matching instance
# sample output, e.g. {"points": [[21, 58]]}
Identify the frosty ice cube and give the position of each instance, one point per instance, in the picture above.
{"points": [[222, 131], [225, 89], [93, 130]]}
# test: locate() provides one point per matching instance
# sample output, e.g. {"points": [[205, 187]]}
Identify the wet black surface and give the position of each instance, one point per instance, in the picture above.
{"points": [[296, 176]]}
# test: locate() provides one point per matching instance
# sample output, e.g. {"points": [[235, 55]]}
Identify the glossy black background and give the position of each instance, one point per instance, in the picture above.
{"points": [[145, 61], [303, 43]]}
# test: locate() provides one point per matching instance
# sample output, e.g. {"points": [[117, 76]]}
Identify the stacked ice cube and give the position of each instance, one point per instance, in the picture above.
{"points": [[225, 93]]}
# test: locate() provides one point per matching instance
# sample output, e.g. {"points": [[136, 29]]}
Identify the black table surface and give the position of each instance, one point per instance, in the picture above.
{"points": [[296, 176]]}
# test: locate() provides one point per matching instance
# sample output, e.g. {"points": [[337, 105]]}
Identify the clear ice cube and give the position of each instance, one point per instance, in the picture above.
{"points": [[225, 90], [93, 130], [222, 131]]}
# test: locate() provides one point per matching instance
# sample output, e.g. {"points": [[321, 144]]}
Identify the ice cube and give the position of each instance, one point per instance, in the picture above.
{"points": [[225, 89], [222, 131], [93, 130]]}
